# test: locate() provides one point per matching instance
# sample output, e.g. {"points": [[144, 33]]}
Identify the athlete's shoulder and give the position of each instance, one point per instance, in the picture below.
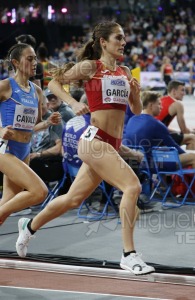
{"points": [[5, 88], [127, 71], [5, 83]]}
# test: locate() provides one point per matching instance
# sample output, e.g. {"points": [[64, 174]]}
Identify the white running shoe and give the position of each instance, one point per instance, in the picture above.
{"points": [[23, 238], [135, 264]]}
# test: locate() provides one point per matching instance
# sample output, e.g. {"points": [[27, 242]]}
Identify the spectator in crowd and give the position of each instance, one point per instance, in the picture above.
{"points": [[128, 115], [166, 70], [172, 107], [56, 104], [3, 70], [46, 148], [77, 92], [192, 76], [144, 130], [42, 55], [30, 40]]}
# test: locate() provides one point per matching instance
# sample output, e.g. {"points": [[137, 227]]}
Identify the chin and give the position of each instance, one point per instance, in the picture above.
{"points": [[120, 57]]}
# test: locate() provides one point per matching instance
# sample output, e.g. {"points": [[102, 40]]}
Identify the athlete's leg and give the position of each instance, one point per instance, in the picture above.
{"points": [[24, 187], [114, 170], [108, 166], [10, 188], [84, 184]]}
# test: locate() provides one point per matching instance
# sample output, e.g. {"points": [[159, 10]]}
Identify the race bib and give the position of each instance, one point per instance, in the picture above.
{"points": [[25, 117], [3, 145], [115, 90], [89, 133]]}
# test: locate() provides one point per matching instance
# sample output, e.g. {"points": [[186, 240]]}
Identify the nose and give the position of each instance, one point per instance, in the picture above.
{"points": [[123, 43]]}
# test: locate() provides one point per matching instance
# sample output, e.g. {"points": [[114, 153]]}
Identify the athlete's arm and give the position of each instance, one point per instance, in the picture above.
{"points": [[5, 90], [40, 101], [81, 71], [134, 98], [5, 93]]}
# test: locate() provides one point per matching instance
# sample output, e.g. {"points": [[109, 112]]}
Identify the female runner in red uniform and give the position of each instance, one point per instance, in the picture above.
{"points": [[109, 88]]}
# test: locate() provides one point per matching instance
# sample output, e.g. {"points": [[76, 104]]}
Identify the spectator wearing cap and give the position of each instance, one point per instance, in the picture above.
{"points": [[56, 104], [30, 40], [46, 148]]}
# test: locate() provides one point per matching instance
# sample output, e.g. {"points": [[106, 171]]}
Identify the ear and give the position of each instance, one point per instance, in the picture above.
{"points": [[102, 42], [173, 91], [15, 62], [150, 104]]}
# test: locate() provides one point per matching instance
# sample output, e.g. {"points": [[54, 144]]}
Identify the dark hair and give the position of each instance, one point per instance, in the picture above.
{"points": [[149, 97], [15, 52], [26, 39], [76, 93], [92, 49], [174, 84], [42, 52]]}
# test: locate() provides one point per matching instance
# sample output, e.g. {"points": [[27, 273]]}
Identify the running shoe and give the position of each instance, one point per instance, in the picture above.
{"points": [[135, 264], [23, 238]]}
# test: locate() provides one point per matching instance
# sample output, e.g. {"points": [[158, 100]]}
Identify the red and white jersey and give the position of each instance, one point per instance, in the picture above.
{"points": [[107, 89]]}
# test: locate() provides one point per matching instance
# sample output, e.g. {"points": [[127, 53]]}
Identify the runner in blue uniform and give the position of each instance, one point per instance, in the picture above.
{"points": [[20, 111]]}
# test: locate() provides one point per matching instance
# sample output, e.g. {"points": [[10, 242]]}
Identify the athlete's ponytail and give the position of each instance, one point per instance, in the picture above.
{"points": [[92, 49]]}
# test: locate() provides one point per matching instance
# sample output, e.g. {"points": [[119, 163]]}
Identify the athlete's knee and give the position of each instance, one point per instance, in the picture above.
{"points": [[43, 192], [40, 194], [134, 188], [75, 202]]}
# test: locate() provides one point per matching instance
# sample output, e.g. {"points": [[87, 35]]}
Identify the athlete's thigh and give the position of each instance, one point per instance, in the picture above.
{"points": [[10, 188], [108, 164], [17, 176], [86, 181]]}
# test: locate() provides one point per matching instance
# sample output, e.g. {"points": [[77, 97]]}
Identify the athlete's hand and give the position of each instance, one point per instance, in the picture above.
{"points": [[80, 108], [139, 156], [135, 88], [6, 133], [34, 155], [55, 118]]}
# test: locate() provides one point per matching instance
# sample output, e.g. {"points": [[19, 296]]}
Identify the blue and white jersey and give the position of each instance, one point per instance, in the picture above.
{"points": [[21, 109]]}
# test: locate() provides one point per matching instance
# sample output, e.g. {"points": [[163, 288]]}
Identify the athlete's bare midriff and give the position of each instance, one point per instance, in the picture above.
{"points": [[21, 136], [111, 121]]}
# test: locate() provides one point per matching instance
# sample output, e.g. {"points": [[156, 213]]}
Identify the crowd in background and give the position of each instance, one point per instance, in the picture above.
{"points": [[149, 39]]}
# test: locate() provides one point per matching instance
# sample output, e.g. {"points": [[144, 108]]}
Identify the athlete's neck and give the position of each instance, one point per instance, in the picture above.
{"points": [[111, 65]]}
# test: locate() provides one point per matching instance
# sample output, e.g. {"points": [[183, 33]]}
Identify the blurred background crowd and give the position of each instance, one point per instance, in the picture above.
{"points": [[154, 29]]}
